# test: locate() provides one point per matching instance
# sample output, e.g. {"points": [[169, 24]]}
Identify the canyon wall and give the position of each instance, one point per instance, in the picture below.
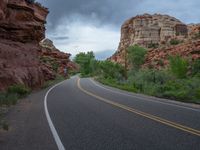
{"points": [[153, 30], [22, 27]]}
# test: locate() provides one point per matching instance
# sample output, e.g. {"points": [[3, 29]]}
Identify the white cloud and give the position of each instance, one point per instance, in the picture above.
{"points": [[83, 37]]}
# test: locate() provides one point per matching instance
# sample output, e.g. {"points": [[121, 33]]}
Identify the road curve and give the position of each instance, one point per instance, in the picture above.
{"points": [[89, 116]]}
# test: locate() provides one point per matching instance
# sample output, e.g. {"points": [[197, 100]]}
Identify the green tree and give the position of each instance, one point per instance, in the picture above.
{"points": [[111, 70], [178, 66], [85, 61], [136, 56]]}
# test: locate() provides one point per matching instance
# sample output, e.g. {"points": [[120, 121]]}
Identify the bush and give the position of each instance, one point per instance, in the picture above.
{"points": [[178, 66], [18, 89], [112, 70], [136, 56], [174, 42], [8, 99], [195, 67], [153, 45]]}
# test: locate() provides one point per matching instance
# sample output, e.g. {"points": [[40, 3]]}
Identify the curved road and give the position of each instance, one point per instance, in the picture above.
{"points": [[86, 115]]}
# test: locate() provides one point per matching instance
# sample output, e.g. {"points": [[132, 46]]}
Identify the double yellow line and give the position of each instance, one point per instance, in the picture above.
{"points": [[146, 115]]}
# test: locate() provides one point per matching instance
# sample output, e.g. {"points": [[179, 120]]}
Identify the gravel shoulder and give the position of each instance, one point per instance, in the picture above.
{"points": [[28, 127]]}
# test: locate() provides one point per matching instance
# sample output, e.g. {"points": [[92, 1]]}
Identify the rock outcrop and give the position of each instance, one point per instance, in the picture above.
{"points": [[154, 30], [22, 27], [54, 59], [21, 21], [158, 58]]}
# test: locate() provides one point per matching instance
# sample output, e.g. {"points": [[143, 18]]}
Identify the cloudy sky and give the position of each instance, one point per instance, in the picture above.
{"points": [[94, 25]]}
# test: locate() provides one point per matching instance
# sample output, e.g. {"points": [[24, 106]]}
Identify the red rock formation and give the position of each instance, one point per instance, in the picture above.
{"points": [[19, 62], [158, 58], [159, 29], [50, 56], [22, 21]]}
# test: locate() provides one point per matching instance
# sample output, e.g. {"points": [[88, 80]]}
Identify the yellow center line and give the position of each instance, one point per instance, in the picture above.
{"points": [[146, 115]]}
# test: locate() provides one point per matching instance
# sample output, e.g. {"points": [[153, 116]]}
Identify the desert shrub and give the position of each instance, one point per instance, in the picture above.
{"points": [[153, 45], [178, 66], [195, 67], [8, 99], [196, 36], [136, 56], [111, 70], [174, 42], [55, 66], [182, 89], [19, 89], [115, 83], [197, 94]]}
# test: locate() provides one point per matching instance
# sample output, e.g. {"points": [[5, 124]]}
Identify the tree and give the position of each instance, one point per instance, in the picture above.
{"points": [[85, 61], [136, 56]]}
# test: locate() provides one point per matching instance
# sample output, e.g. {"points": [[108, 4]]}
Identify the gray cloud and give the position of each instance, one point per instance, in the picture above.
{"points": [[106, 11], [82, 25]]}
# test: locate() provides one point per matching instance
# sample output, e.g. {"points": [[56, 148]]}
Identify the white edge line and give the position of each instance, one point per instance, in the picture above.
{"points": [[53, 130], [176, 105]]}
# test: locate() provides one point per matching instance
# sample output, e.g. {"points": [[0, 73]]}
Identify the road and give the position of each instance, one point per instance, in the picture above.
{"points": [[85, 115]]}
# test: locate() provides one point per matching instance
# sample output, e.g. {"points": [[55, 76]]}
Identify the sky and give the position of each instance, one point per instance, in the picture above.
{"points": [[94, 25]]}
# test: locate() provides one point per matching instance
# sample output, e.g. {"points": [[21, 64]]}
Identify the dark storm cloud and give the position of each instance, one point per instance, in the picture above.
{"points": [[105, 11]]}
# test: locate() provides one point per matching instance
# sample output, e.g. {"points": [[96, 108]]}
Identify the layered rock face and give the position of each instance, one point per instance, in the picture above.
{"points": [[157, 29], [54, 59], [158, 58], [21, 28], [21, 21]]}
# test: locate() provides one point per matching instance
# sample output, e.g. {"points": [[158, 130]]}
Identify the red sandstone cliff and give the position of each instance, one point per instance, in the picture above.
{"points": [[146, 29], [21, 30]]}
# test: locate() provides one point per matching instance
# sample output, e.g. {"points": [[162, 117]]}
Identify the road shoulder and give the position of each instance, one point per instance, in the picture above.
{"points": [[28, 127]]}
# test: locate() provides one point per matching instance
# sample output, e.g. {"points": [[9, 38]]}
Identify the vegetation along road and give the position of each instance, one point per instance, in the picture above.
{"points": [[84, 114]]}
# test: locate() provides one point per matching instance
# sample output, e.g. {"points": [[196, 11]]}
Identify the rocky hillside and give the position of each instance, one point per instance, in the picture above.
{"points": [[21, 30], [157, 33], [53, 58]]}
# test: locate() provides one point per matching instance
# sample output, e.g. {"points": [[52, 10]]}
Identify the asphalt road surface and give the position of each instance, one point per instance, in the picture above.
{"points": [[85, 115]]}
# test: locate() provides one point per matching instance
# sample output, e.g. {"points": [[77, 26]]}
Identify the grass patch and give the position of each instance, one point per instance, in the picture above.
{"points": [[116, 84], [13, 93], [10, 97]]}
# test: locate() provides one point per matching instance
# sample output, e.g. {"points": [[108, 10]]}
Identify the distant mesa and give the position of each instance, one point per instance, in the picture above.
{"points": [[153, 32]]}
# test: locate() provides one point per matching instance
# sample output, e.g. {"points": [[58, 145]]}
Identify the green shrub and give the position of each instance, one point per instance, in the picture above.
{"points": [[136, 56], [8, 98], [55, 66], [197, 93], [195, 67], [153, 45], [178, 66], [174, 42], [18, 89]]}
